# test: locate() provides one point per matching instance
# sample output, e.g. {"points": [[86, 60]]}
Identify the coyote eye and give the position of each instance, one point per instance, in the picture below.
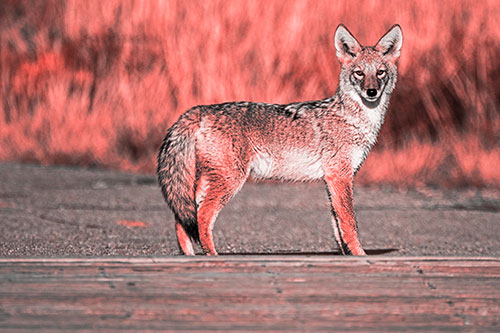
{"points": [[380, 73], [359, 74]]}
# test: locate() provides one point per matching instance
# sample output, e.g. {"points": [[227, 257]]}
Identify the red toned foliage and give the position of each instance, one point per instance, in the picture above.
{"points": [[99, 82]]}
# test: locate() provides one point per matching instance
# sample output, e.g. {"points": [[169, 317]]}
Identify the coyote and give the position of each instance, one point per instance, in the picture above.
{"points": [[208, 154]]}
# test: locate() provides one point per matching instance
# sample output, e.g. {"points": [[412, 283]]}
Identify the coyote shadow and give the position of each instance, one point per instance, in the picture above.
{"points": [[372, 252]]}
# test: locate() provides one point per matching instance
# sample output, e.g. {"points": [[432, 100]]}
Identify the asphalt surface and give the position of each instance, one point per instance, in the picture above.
{"points": [[61, 211]]}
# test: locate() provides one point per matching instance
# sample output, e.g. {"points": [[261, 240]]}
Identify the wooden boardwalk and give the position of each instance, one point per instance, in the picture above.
{"points": [[250, 293]]}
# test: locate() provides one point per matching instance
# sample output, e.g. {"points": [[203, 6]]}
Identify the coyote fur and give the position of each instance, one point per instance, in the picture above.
{"points": [[208, 154]]}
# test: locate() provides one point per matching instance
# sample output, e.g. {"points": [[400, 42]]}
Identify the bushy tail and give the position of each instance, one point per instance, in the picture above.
{"points": [[177, 171]]}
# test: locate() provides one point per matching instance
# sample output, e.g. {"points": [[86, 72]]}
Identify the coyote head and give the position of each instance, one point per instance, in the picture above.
{"points": [[368, 71]]}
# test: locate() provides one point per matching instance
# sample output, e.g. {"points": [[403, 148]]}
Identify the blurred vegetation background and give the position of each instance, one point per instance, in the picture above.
{"points": [[97, 83]]}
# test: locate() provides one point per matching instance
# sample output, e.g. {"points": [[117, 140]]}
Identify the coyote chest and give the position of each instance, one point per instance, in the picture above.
{"points": [[294, 164]]}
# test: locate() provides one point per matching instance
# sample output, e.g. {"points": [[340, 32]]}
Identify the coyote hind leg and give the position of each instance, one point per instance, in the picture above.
{"points": [[218, 192], [184, 240]]}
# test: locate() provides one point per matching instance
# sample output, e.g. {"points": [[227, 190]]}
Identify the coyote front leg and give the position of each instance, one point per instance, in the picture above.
{"points": [[344, 222]]}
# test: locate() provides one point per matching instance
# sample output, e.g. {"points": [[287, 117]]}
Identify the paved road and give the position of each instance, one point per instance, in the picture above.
{"points": [[60, 211]]}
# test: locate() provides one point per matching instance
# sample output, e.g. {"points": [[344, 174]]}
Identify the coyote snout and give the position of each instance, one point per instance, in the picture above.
{"points": [[208, 154]]}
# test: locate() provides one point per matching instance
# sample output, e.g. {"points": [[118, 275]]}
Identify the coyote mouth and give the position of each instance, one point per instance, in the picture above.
{"points": [[371, 102]]}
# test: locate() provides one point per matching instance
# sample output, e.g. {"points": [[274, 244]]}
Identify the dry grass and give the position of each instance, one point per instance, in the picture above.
{"points": [[98, 82]]}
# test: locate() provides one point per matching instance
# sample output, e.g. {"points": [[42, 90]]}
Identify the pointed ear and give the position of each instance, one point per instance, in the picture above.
{"points": [[390, 43], [347, 46]]}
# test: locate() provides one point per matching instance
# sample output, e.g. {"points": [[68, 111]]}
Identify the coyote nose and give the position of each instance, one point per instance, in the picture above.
{"points": [[371, 92]]}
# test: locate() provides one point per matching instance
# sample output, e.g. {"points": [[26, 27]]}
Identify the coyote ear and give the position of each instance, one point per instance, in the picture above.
{"points": [[390, 43], [347, 46]]}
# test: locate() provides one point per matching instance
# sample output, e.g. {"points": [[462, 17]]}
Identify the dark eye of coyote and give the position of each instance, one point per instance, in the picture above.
{"points": [[359, 74], [380, 73]]}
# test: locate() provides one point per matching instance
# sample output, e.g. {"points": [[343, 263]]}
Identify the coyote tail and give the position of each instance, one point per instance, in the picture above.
{"points": [[177, 172]]}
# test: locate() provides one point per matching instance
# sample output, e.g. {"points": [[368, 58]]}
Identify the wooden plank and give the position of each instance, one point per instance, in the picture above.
{"points": [[276, 293]]}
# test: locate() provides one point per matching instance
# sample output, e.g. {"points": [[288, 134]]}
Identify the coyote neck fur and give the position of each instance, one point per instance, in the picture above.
{"points": [[367, 117]]}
